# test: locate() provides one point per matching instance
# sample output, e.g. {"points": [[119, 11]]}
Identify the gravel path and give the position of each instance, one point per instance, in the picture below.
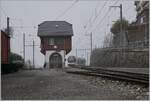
{"points": [[53, 84]]}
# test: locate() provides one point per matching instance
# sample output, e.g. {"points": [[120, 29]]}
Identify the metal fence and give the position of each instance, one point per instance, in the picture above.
{"points": [[130, 45], [138, 44]]}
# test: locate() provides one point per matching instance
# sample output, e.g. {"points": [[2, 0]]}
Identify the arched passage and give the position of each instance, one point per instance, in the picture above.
{"points": [[55, 61]]}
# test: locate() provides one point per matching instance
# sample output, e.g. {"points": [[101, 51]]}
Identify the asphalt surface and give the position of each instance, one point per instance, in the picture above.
{"points": [[54, 85]]}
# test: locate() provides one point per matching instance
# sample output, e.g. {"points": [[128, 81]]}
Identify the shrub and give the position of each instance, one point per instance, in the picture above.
{"points": [[15, 63]]}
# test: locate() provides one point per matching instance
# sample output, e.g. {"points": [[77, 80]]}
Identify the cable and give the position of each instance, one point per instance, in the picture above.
{"points": [[63, 13], [102, 20], [98, 13], [15, 19], [25, 27], [4, 12], [91, 16], [127, 12]]}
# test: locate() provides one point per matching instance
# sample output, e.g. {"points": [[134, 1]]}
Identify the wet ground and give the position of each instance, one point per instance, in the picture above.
{"points": [[58, 85]]}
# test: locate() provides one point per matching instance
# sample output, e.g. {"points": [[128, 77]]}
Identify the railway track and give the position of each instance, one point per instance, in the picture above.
{"points": [[112, 74]]}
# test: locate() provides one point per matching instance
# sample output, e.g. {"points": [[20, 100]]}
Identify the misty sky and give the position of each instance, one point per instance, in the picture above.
{"points": [[26, 15]]}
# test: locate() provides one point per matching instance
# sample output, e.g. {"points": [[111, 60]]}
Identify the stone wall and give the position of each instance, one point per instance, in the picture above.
{"points": [[120, 58]]}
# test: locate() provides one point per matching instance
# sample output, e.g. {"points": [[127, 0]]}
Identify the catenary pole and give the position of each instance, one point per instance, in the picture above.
{"points": [[24, 46]]}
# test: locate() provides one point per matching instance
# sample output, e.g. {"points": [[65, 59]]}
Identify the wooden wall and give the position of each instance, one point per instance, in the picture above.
{"points": [[66, 45]]}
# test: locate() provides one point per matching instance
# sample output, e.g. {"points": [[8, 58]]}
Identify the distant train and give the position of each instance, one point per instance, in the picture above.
{"points": [[76, 61]]}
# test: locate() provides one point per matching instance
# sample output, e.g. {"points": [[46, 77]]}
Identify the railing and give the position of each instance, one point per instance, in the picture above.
{"points": [[130, 45], [139, 44]]}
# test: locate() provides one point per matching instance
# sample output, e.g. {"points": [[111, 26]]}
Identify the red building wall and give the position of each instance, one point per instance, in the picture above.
{"points": [[5, 48]]}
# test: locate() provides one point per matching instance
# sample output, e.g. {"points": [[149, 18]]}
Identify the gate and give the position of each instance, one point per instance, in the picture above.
{"points": [[55, 61]]}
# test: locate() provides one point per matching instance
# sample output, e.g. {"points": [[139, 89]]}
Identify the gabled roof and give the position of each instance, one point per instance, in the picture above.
{"points": [[55, 28]]}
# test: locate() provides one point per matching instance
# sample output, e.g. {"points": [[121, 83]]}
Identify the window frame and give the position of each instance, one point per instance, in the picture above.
{"points": [[59, 41], [51, 41]]}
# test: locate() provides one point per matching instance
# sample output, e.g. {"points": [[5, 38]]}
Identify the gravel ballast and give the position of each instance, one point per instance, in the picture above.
{"points": [[58, 85]]}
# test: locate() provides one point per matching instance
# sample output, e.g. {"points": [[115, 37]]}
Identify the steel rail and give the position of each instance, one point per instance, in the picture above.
{"points": [[112, 74]]}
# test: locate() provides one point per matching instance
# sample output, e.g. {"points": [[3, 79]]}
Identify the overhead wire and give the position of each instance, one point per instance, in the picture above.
{"points": [[3, 11], [102, 20], [97, 14], [101, 10], [128, 12], [92, 15], [66, 10]]}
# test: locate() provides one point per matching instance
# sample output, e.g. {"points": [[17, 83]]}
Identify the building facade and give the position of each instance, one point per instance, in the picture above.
{"points": [[139, 30], [5, 48], [142, 8], [56, 42], [137, 33]]}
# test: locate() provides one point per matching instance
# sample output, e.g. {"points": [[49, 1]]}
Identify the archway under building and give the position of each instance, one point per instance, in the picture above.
{"points": [[55, 61]]}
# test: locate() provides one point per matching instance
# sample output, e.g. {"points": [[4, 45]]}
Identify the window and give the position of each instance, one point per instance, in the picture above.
{"points": [[56, 41], [51, 41], [142, 20], [59, 41]]}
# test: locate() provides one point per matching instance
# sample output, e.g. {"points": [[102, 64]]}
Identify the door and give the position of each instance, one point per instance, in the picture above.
{"points": [[55, 60]]}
